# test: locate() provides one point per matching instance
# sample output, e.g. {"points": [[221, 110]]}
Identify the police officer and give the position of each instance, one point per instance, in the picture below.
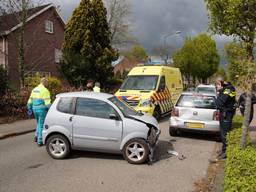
{"points": [[226, 100], [89, 85], [39, 102]]}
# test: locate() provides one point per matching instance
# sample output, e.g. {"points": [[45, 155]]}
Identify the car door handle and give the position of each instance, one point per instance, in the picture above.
{"points": [[71, 118]]}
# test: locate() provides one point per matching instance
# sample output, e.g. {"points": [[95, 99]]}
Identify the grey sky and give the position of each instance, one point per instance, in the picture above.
{"points": [[153, 19]]}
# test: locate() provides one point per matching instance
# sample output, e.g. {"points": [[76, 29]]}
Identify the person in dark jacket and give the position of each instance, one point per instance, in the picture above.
{"points": [[241, 103], [90, 85], [226, 100]]}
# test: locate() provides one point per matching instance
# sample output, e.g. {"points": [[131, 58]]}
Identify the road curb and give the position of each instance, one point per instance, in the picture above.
{"points": [[13, 134]]}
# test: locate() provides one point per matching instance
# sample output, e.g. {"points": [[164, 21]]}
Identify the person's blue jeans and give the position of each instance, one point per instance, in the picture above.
{"points": [[39, 114]]}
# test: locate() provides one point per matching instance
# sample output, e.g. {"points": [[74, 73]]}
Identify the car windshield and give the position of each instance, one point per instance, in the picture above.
{"points": [[196, 101], [126, 109], [140, 82], [206, 90]]}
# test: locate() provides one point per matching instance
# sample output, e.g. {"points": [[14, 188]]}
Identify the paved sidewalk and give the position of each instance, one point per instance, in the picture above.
{"points": [[17, 128]]}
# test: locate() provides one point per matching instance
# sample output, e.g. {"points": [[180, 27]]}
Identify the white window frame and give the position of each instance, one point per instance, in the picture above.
{"points": [[48, 26]]}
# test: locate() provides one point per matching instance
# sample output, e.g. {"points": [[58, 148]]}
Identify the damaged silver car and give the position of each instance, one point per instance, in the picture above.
{"points": [[98, 122]]}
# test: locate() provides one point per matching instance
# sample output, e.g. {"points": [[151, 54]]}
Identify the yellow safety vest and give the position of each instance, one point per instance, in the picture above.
{"points": [[40, 93], [96, 89]]}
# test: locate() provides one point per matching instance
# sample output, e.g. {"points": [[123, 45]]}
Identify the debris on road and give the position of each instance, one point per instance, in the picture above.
{"points": [[175, 153]]}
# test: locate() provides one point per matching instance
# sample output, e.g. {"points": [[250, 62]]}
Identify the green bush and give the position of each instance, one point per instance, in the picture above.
{"points": [[3, 80], [54, 83], [240, 168]]}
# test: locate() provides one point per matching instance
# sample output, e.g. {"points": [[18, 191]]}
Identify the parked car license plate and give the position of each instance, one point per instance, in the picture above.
{"points": [[195, 125]]}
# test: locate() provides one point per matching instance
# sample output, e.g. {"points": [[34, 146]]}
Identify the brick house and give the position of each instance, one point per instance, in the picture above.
{"points": [[43, 38], [125, 65]]}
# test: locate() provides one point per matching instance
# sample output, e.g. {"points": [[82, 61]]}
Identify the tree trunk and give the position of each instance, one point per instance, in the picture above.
{"points": [[246, 119], [249, 49], [21, 59]]}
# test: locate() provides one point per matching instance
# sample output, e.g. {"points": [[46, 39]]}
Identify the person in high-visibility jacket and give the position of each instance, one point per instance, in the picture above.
{"points": [[39, 102], [96, 88]]}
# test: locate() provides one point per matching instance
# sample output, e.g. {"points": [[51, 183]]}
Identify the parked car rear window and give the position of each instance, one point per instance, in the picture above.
{"points": [[210, 90], [65, 105], [93, 108], [196, 101]]}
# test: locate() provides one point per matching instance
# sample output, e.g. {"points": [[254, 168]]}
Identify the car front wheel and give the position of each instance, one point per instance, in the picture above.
{"points": [[58, 146], [136, 151]]}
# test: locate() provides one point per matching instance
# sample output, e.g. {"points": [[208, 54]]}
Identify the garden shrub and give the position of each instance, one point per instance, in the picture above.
{"points": [[54, 86], [240, 168]]}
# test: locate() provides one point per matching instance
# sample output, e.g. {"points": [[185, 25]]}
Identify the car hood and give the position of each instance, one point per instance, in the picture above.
{"points": [[148, 119]]}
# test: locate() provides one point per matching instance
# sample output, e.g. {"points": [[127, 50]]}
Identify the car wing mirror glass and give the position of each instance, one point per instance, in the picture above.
{"points": [[113, 116]]}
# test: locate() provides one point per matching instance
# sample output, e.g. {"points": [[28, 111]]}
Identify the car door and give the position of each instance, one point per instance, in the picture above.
{"points": [[92, 127]]}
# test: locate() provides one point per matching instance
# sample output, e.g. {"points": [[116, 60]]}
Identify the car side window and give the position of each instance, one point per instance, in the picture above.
{"points": [[93, 108], [162, 84], [65, 104]]}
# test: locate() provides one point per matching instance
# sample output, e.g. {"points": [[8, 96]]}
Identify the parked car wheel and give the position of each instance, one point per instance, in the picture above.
{"points": [[157, 113], [58, 146], [136, 151], [173, 131]]}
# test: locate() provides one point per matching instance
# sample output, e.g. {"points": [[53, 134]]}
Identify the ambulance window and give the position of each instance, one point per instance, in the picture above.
{"points": [[162, 84]]}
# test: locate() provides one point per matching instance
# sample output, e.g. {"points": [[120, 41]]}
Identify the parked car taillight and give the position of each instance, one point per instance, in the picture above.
{"points": [[216, 116], [175, 112]]}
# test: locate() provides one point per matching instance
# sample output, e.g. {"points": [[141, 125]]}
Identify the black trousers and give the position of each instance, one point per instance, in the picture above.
{"points": [[225, 126]]}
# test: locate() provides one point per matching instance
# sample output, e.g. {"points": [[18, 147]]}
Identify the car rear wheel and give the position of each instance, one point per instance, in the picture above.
{"points": [[136, 151], [58, 146], [173, 131]]}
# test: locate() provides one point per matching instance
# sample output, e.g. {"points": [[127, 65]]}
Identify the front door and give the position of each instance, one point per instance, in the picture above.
{"points": [[92, 127]]}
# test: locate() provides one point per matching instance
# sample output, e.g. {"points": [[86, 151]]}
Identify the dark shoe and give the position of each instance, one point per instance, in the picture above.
{"points": [[222, 156], [35, 139], [39, 144]]}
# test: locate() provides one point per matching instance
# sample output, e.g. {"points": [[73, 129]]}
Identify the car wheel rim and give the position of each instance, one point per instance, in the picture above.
{"points": [[57, 147], [135, 151]]}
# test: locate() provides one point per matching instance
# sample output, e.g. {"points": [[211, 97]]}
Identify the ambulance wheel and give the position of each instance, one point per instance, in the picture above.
{"points": [[157, 113]]}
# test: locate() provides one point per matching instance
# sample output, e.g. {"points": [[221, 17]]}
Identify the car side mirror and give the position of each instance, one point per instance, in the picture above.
{"points": [[113, 116]]}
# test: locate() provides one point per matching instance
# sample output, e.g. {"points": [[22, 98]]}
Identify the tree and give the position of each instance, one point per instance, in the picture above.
{"points": [[20, 9], [198, 58], [219, 73], [137, 52], [235, 55], [87, 47], [118, 12], [237, 18]]}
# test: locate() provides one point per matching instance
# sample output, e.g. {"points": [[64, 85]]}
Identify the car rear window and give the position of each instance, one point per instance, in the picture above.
{"points": [[65, 105], [206, 90], [196, 101]]}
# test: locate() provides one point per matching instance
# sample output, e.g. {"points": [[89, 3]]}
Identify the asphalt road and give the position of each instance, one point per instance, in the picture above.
{"points": [[24, 167]]}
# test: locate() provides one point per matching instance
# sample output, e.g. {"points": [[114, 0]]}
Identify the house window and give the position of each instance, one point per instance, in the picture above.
{"points": [[48, 26]]}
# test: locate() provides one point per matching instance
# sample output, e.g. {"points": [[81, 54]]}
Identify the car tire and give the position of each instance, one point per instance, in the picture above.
{"points": [[58, 146], [157, 113], [136, 151], [173, 131]]}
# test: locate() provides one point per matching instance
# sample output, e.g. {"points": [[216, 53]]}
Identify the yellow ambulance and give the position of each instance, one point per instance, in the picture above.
{"points": [[151, 89]]}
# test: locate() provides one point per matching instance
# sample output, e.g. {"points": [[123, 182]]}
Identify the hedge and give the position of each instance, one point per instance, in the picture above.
{"points": [[240, 168]]}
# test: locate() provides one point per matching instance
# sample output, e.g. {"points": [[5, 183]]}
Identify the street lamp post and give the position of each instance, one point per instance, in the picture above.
{"points": [[165, 48]]}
